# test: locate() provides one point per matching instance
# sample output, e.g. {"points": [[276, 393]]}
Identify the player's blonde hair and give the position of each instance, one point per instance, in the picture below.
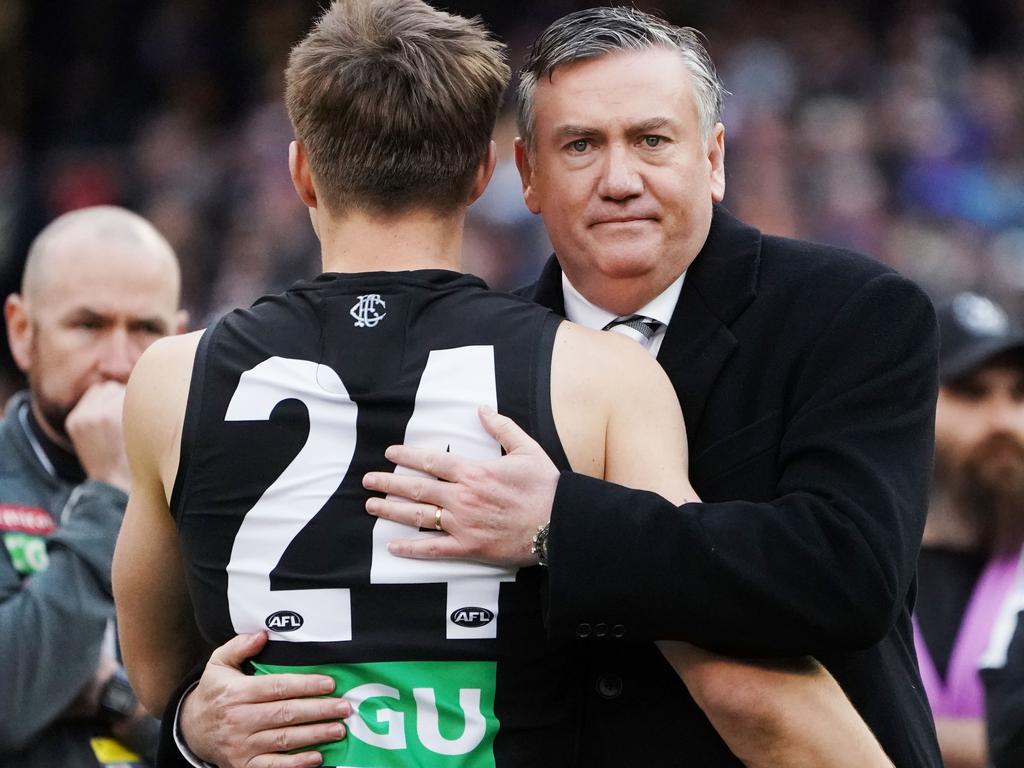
{"points": [[395, 103]]}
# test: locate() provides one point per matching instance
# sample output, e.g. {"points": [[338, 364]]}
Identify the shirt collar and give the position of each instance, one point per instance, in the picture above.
{"points": [[57, 461], [581, 310]]}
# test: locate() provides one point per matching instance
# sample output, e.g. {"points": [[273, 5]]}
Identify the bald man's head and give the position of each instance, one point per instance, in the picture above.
{"points": [[99, 224], [100, 285]]}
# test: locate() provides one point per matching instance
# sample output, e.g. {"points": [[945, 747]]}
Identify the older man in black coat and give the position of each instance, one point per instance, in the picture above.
{"points": [[807, 376]]}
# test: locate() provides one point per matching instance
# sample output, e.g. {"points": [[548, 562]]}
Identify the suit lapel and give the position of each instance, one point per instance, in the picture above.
{"points": [[547, 291], [719, 285]]}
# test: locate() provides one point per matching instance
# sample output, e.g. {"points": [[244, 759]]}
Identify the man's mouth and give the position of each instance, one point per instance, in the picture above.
{"points": [[621, 220]]}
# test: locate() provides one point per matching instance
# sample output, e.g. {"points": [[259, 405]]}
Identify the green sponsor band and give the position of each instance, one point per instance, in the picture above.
{"points": [[408, 714]]}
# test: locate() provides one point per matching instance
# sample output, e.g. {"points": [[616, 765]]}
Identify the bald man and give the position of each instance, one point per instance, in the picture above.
{"points": [[100, 285]]}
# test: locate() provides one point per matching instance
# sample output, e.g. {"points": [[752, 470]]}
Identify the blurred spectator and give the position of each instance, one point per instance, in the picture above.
{"points": [[100, 285], [975, 528]]}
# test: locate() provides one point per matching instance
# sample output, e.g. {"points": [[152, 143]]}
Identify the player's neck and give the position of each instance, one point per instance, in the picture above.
{"points": [[357, 242]]}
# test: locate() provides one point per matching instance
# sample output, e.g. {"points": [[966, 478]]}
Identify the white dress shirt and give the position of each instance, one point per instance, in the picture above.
{"points": [[580, 310]]}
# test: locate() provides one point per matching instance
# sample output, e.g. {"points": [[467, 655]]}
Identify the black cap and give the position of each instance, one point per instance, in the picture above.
{"points": [[972, 330]]}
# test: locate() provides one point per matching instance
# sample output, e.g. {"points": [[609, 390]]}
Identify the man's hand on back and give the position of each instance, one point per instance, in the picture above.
{"points": [[234, 720], [490, 510]]}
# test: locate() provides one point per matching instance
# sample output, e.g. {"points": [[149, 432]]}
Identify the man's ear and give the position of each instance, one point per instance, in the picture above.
{"points": [[180, 321], [526, 176], [484, 173], [19, 331], [716, 159], [302, 179]]}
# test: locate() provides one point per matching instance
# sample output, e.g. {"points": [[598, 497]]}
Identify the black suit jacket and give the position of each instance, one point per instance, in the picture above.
{"points": [[807, 378]]}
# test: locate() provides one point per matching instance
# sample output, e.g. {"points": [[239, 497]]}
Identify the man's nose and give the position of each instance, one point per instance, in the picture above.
{"points": [[620, 177], [118, 356], [1006, 414]]}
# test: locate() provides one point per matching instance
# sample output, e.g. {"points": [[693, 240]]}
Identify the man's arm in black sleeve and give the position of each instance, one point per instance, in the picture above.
{"points": [[169, 755], [827, 562]]}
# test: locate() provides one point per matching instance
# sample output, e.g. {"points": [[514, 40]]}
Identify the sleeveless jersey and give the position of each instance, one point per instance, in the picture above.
{"points": [[291, 402]]}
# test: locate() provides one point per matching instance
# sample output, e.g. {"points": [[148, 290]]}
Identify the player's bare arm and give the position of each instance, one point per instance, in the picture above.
{"points": [[158, 635], [158, 638]]}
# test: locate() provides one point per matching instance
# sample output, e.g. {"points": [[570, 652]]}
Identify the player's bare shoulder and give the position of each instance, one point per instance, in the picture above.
{"points": [[155, 400], [591, 373], [608, 391], [598, 363], [165, 368]]}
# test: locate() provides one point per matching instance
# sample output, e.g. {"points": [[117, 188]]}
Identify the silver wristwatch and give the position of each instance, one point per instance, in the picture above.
{"points": [[540, 544]]}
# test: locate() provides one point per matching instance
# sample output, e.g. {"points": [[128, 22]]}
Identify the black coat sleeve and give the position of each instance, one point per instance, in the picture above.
{"points": [[825, 559], [168, 754]]}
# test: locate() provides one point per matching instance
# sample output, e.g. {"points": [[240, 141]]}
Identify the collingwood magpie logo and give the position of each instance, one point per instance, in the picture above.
{"points": [[367, 310]]}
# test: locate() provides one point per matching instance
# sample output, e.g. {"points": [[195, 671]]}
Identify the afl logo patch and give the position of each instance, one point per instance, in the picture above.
{"points": [[472, 617], [284, 621]]}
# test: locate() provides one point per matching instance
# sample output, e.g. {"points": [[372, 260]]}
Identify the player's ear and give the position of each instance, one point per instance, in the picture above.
{"points": [[526, 175], [484, 172], [302, 178], [19, 330]]}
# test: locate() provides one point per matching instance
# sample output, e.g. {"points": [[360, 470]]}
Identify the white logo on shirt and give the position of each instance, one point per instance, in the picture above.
{"points": [[366, 311]]}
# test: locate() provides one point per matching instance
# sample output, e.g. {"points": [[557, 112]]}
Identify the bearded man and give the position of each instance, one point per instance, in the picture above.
{"points": [[975, 524]]}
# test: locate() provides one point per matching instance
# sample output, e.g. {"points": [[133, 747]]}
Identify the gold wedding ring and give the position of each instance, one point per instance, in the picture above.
{"points": [[437, 519]]}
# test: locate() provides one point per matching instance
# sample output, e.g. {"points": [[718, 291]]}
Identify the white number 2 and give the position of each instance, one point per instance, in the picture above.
{"points": [[453, 383], [287, 506]]}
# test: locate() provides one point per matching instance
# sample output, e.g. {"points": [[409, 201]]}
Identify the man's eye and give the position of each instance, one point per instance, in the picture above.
{"points": [[580, 145], [653, 141], [89, 325]]}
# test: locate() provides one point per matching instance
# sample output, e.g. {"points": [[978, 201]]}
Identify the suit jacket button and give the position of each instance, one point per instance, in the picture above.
{"points": [[600, 629], [583, 630], [619, 630], [609, 686]]}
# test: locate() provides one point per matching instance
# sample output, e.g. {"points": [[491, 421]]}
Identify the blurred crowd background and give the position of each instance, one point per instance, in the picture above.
{"points": [[896, 129]]}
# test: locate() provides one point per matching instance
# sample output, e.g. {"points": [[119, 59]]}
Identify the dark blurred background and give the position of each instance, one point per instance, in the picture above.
{"points": [[896, 129]]}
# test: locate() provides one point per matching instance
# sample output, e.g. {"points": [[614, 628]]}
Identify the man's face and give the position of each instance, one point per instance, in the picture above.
{"points": [[979, 432], [98, 306], [621, 175]]}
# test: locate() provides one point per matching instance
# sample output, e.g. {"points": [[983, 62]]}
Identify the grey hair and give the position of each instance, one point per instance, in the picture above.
{"points": [[594, 32]]}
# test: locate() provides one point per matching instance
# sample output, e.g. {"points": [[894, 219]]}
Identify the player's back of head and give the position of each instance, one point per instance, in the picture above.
{"points": [[395, 103]]}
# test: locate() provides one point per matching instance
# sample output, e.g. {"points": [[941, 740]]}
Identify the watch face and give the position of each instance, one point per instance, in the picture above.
{"points": [[118, 699]]}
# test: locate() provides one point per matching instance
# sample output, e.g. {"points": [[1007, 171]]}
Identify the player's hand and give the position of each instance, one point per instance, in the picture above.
{"points": [[95, 428], [234, 720], [490, 509]]}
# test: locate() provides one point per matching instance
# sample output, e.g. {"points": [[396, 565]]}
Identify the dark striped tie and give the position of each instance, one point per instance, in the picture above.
{"points": [[639, 328]]}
